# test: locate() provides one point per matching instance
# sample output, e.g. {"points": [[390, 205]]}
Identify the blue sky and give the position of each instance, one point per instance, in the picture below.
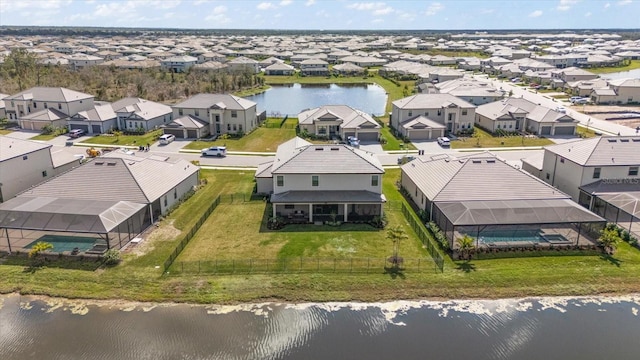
{"points": [[325, 14]]}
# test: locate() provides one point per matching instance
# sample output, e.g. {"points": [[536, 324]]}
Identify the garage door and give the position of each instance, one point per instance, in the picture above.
{"points": [[368, 136], [565, 130], [176, 132], [545, 130], [192, 134], [85, 128], [423, 134]]}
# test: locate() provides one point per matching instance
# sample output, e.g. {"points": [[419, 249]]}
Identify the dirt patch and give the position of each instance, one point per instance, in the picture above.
{"points": [[606, 112], [164, 232]]}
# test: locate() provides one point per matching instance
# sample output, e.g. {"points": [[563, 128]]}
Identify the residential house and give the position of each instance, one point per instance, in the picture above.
{"points": [[242, 63], [140, 115], [279, 69], [79, 60], [460, 195], [618, 91], [518, 114], [113, 198], [3, 108], [600, 174], [314, 183], [472, 90], [26, 163], [584, 88], [362, 61], [178, 64], [349, 69], [314, 67], [211, 56], [99, 120], [38, 107], [572, 74], [339, 121], [187, 127], [428, 116], [225, 113]]}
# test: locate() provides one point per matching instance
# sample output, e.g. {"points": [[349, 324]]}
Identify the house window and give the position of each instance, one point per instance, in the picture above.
{"points": [[234, 114], [426, 113], [422, 201], [35, 105], [165, 201], [322, 130], [464, 111], [130, 124], [439, 112], [562, 160], [410, 113], [45, 106], [548, 176], [240, 127], [374, 180], [633, 171], [314, 180], [234, 127], [217, 118], [289, 206], [279, 180], [44, 173], [596, 173], [197, 112], [180, 112], [228, 127], [175, 193]]}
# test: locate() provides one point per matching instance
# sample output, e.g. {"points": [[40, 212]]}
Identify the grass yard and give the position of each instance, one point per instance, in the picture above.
{"points": [[585, 132], [5, 131], [262, 139], [45, 137], [633, 64], [130, 140], [392, 142], [483, 139]]}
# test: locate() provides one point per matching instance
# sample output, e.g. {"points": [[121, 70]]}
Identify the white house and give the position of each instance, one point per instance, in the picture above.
{"points": [[313, 183], [135, 114], [339, 121], [178, 63], [314, 67], [225, 113]]}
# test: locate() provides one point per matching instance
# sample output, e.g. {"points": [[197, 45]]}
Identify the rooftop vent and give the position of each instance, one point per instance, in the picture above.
{"points": [[612, 140], [335, 149], [476, 161], [319, 149], [111, 164], [491, 161], [99, 163]]}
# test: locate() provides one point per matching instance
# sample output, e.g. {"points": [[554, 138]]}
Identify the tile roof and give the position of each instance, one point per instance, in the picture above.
{"points": [[13, 147], [601, 151], [506, 107], [49, 114], [205, 101], [350, 117], [54, 94], [431, 101]]}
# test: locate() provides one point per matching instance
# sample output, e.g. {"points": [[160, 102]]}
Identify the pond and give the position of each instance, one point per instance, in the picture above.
{"points": [[622, 75], [536, 328], [291, 99]]}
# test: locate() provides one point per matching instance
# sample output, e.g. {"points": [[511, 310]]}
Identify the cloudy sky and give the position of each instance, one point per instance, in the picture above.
{"points": [[325, 14]]}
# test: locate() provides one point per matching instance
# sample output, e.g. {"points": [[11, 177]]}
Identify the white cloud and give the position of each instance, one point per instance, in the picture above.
{"points": [[565, 5], [285, 2], [535, 14], [219, 15], [384, 11], [434, 8], [266, 6], [7, 5], [377, 21], [200, 2], [607, 5], [310, 3], [587, 14], [487, 11], [405, 16], [624, 2], [376, 8]]}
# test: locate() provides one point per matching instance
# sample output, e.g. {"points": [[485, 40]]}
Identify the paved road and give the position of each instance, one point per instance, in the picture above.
{"points": [[543, 99]]}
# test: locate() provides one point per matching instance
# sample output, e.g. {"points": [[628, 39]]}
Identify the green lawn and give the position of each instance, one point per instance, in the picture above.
{"points": [[633, 64], [45, 137], [5, 131], [129, 140], [483, 139], [584, 132], [138, 279], [262, 139], [392, 142]]}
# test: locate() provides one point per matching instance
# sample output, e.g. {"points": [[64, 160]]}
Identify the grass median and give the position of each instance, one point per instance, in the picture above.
{"points": [[484, 139]]}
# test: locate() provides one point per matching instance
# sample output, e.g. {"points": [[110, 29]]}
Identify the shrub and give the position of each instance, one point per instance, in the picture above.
{"points": [[112, 257], [379, 222]]}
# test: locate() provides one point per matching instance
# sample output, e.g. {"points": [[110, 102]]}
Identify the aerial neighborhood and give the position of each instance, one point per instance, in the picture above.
{"points": [[489, 145]]}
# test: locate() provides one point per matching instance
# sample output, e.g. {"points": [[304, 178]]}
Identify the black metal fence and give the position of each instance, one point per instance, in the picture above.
{"points": [[429, 243], [301, 265], [194, 229], [240, 198]]}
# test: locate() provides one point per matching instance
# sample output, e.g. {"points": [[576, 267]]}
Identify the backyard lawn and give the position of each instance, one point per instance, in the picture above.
{"points": [[262, 139], [483, 139], [130, 140]]}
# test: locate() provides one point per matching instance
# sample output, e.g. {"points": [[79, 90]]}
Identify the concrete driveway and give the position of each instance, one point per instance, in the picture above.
{"points": [[372, 147], [432, 147]]}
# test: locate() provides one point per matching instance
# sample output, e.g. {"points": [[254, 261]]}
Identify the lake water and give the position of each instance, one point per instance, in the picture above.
{"points": [[291, 99], [622, 75], [544, 328]]}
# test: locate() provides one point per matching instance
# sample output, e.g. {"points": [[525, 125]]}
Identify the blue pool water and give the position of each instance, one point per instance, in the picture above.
{"points": [[66, 243], [532, 236]]}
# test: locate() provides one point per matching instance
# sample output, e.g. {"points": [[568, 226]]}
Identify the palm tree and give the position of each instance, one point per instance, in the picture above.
{"points": [[465, 245], [609, 240], [396, 234]]}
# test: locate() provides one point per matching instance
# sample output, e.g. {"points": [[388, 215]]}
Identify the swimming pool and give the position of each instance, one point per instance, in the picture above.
{"points": [[520, 236], [66, 243]]}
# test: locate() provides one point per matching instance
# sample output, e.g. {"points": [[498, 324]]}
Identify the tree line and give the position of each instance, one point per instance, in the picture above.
{"points": [[21, 70]]}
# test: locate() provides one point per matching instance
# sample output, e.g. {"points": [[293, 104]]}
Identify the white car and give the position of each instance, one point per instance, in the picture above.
{"points": [[166, 139], [444, 141], [353, 141], [218, 151], [561, 109]]}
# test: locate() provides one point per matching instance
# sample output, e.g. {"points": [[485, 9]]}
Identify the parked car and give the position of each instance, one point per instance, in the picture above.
{"points": [[444, 141], [166, 139], [218, 151], [76, 133], [405, 159], [353, 141], [516, 79], [561, 109], [579, 100]]}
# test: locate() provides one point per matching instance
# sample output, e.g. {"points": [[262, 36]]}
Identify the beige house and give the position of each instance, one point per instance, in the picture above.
{"points": [[178, 64], [314, 67], [225, 113], [619, 91], [314, 183], [339, 121], [599, 173], [136, 114], [25, 163], [242, 63], [441, 110], [39, 106], [518, 114]]}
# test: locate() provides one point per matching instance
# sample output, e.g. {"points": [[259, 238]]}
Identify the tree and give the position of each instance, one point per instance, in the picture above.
{"points": [[465, 245], [20, 65], [609, 239], [117, 134], [396, 234], [38, 248]]}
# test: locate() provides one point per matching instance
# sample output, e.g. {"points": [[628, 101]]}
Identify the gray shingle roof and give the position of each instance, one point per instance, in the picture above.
{"points": [[54, 94], [205, 101], [141, 108], [12, 147], [350, 117], [601, 151], [431, 101]]}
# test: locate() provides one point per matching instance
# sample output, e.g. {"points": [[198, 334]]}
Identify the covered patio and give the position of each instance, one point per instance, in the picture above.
{"points": [[321, 206], [62, 222], [521, 223]]}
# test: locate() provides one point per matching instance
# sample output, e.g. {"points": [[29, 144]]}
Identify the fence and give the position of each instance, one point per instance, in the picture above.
{"points": [[427, 241], [239, 198], [183, 243], [300, 265]]}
